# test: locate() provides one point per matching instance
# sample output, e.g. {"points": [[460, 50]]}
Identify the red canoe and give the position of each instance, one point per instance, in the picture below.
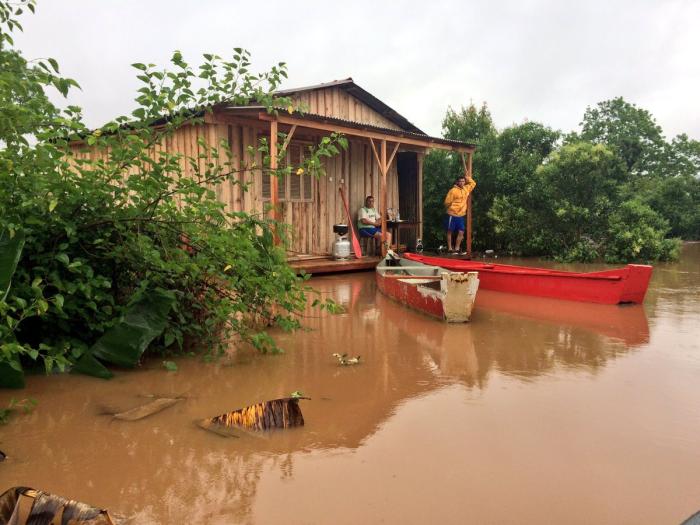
{"points": [[622, 285]]}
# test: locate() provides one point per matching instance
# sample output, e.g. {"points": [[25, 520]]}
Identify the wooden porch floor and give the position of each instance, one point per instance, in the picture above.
{"points": [[319, 265]]}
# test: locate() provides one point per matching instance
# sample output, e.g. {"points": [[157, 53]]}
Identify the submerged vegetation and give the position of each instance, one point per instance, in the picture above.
{"points": [[105, 256], [616, 190], [22, 405]]}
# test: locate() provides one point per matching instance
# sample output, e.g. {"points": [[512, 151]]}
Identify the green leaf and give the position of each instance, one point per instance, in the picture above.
{"points": [[170, 366], [10, 252], [10, 376], [169, 339], [42, 306], [58, 299], [52, 205], [90, 366], [63, 258], [144, 320], [22, 303]]}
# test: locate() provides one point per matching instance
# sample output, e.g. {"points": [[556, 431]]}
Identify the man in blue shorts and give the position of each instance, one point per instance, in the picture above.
{"points": [[456, 206], [369, 222]]}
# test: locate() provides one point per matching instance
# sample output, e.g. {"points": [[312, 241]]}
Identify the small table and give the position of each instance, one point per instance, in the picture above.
{"points": [[397, 226]]}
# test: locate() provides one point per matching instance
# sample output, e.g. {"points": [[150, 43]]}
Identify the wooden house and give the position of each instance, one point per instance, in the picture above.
{"points": [[384, 158]]}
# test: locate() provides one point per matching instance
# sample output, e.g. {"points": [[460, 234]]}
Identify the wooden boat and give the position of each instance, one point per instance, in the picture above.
{"points": [[622, 285], [429, 289]]}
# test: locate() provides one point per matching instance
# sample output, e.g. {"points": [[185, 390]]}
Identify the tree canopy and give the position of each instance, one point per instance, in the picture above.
{"points": [[567, 196]]}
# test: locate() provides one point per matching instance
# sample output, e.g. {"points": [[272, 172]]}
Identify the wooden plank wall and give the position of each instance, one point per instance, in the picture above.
{"points": [[356, 170], [335, 102], [312, 222]]}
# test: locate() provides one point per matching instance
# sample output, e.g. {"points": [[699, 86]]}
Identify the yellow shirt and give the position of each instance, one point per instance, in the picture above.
{"points": [[456, 199]]}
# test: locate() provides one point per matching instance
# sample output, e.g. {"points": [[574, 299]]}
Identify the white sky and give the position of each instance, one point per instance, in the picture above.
{"points": [[535, 60]]}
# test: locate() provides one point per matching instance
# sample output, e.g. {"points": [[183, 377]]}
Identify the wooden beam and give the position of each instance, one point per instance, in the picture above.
{"points": [[288, 139], [469, 212], [376, 155], [393, 154], [368, 134]]}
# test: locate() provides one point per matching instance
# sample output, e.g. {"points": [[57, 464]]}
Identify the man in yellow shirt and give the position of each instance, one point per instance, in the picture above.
{"points": [[456, 206]]}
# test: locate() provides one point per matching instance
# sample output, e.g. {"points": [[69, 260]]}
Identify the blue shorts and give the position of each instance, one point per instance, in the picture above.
{"points": [[369, 232], [454, 224]]}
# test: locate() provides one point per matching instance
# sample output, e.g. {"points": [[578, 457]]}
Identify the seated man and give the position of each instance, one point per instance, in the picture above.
{"points": [[369, 222]]}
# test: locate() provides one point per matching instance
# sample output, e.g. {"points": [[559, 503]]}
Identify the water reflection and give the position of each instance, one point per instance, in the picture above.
{"points": [[676, 286], [503, 337], [166, 470], [627, 323]]}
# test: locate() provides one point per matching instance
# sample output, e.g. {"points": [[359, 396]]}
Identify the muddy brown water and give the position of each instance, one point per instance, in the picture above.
{"points": [[538, 411]]}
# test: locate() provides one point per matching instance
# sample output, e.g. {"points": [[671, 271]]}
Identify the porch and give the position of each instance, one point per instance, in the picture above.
{"points": [[383, 158], [323, 264]]}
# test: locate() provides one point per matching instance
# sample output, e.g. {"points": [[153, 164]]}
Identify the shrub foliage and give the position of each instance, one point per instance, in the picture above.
{"points": [[124, 245]]}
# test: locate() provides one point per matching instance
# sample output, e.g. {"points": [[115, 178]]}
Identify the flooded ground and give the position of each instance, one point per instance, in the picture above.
{"points": [[538, 411]]}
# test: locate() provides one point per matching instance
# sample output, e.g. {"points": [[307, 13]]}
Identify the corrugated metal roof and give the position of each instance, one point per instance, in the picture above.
{"points": [[362, 126], [349, 85]]}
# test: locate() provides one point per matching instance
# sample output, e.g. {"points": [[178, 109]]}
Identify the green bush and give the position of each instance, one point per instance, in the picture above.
{"points": [[637, 233], [121, 245]]}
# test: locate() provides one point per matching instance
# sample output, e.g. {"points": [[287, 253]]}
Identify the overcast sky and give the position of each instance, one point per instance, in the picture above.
{"points": [[528, 60]]}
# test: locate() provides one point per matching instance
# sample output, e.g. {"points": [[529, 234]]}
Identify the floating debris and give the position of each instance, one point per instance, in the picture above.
{"points": [[148, 409], [217, 429], [278, 413], [693, 520], [344, 360], [23, 505]]}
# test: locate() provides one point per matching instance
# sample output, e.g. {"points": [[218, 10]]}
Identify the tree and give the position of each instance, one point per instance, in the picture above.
{"points": [[574, 209], [521, 150], [663, 175], [563, 205], [631, 132], [109, 255], [677, 199], [682, 157]]}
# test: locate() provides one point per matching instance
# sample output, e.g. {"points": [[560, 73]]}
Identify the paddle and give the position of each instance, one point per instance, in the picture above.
{"points": [[355, 243]]}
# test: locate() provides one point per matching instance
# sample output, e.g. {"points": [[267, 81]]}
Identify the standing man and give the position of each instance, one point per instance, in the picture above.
{"points": [[456, 206], [369, 222]]}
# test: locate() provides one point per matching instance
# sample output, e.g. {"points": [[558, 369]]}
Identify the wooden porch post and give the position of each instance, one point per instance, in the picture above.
{"points": [[469, 211], [421, 158], [383, 169], [274, 197]]}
